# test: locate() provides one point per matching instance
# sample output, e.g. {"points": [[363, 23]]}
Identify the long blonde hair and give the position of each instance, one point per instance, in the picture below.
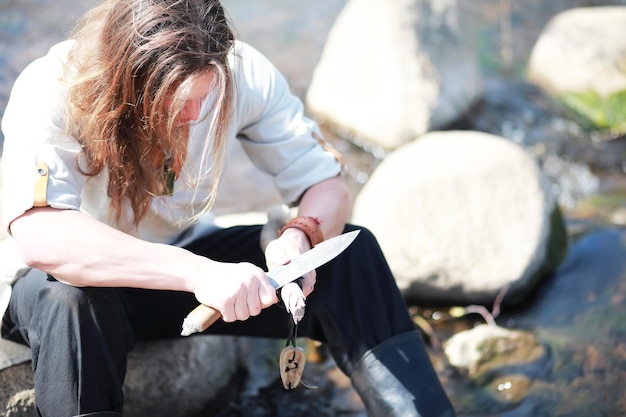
{"points": [[131, 68]]}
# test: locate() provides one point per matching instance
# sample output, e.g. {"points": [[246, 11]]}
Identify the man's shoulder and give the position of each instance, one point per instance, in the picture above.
{"points": [[42, 72], [254, 73], [249, 60], [56, 57]]}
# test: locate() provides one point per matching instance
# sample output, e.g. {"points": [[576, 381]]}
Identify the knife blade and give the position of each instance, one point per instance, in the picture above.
{"points": [[203, 316], [311, 259]]}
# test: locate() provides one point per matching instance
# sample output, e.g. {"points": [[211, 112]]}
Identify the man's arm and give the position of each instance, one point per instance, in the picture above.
{"points": [[81, 251], [327, 201]]}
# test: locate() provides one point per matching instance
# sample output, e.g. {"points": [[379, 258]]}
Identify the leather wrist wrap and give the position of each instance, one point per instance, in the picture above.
{"points": [[309, 225]]}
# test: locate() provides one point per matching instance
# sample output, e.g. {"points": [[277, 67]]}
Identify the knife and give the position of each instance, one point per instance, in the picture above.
{"points": [[203, 316]]}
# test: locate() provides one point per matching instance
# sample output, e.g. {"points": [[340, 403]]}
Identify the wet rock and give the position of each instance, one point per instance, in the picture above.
{"points": [[585, 293], [391, 71], [500, 366], [462, 215], [488, 346], [577, 315]]}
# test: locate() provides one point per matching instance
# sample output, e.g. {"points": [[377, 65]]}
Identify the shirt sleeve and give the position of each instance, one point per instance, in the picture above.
{"points": [[273, 129], [37, 143]]}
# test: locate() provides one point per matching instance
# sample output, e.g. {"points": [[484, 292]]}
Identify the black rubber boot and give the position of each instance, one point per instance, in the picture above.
{"points": [[397, 379]]}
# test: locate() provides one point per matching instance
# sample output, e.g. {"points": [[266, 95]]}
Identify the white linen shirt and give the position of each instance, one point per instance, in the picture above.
{"points": [[267, 119]]}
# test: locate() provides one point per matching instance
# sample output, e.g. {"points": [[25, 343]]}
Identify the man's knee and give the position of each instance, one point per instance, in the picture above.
{"points": [[57, 299]]}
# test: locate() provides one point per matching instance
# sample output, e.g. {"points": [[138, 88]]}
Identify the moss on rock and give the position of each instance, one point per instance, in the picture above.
{"points": [[599, 112]]}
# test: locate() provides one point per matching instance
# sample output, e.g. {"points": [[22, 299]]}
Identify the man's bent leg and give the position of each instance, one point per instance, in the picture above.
{"points": [[362, 316], [79, 339]]}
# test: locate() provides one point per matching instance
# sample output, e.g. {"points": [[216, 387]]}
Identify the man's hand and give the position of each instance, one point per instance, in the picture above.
{"points": [[281, 251], [236, 290]]}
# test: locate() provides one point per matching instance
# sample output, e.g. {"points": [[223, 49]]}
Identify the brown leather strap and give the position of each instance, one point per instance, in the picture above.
{"points": [[309, 225], [41, 186]]}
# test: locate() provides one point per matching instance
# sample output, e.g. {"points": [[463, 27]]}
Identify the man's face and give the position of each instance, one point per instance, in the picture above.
{"points": [[199, 91]]}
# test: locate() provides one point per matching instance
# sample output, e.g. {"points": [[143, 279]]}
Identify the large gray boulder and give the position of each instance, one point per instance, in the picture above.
{"points": [[393, 70], [582, 50], [580, 59], [170, 378], [461, 216]]}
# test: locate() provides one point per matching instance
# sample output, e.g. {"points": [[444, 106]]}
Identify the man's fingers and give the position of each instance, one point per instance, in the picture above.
{"points": [[267, 294], [308, 282], [228, 313], [242, 310], [254, 302]]}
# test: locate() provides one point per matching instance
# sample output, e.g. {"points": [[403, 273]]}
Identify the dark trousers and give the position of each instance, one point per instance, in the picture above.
{"points": [[80, 336]]}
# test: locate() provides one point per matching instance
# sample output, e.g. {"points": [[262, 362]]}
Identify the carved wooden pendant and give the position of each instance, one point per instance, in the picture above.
{"points": [[170, 177], [292, 361]]}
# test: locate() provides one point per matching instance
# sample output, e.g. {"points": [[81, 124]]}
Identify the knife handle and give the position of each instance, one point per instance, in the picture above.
{"points": [[200, 319]]}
